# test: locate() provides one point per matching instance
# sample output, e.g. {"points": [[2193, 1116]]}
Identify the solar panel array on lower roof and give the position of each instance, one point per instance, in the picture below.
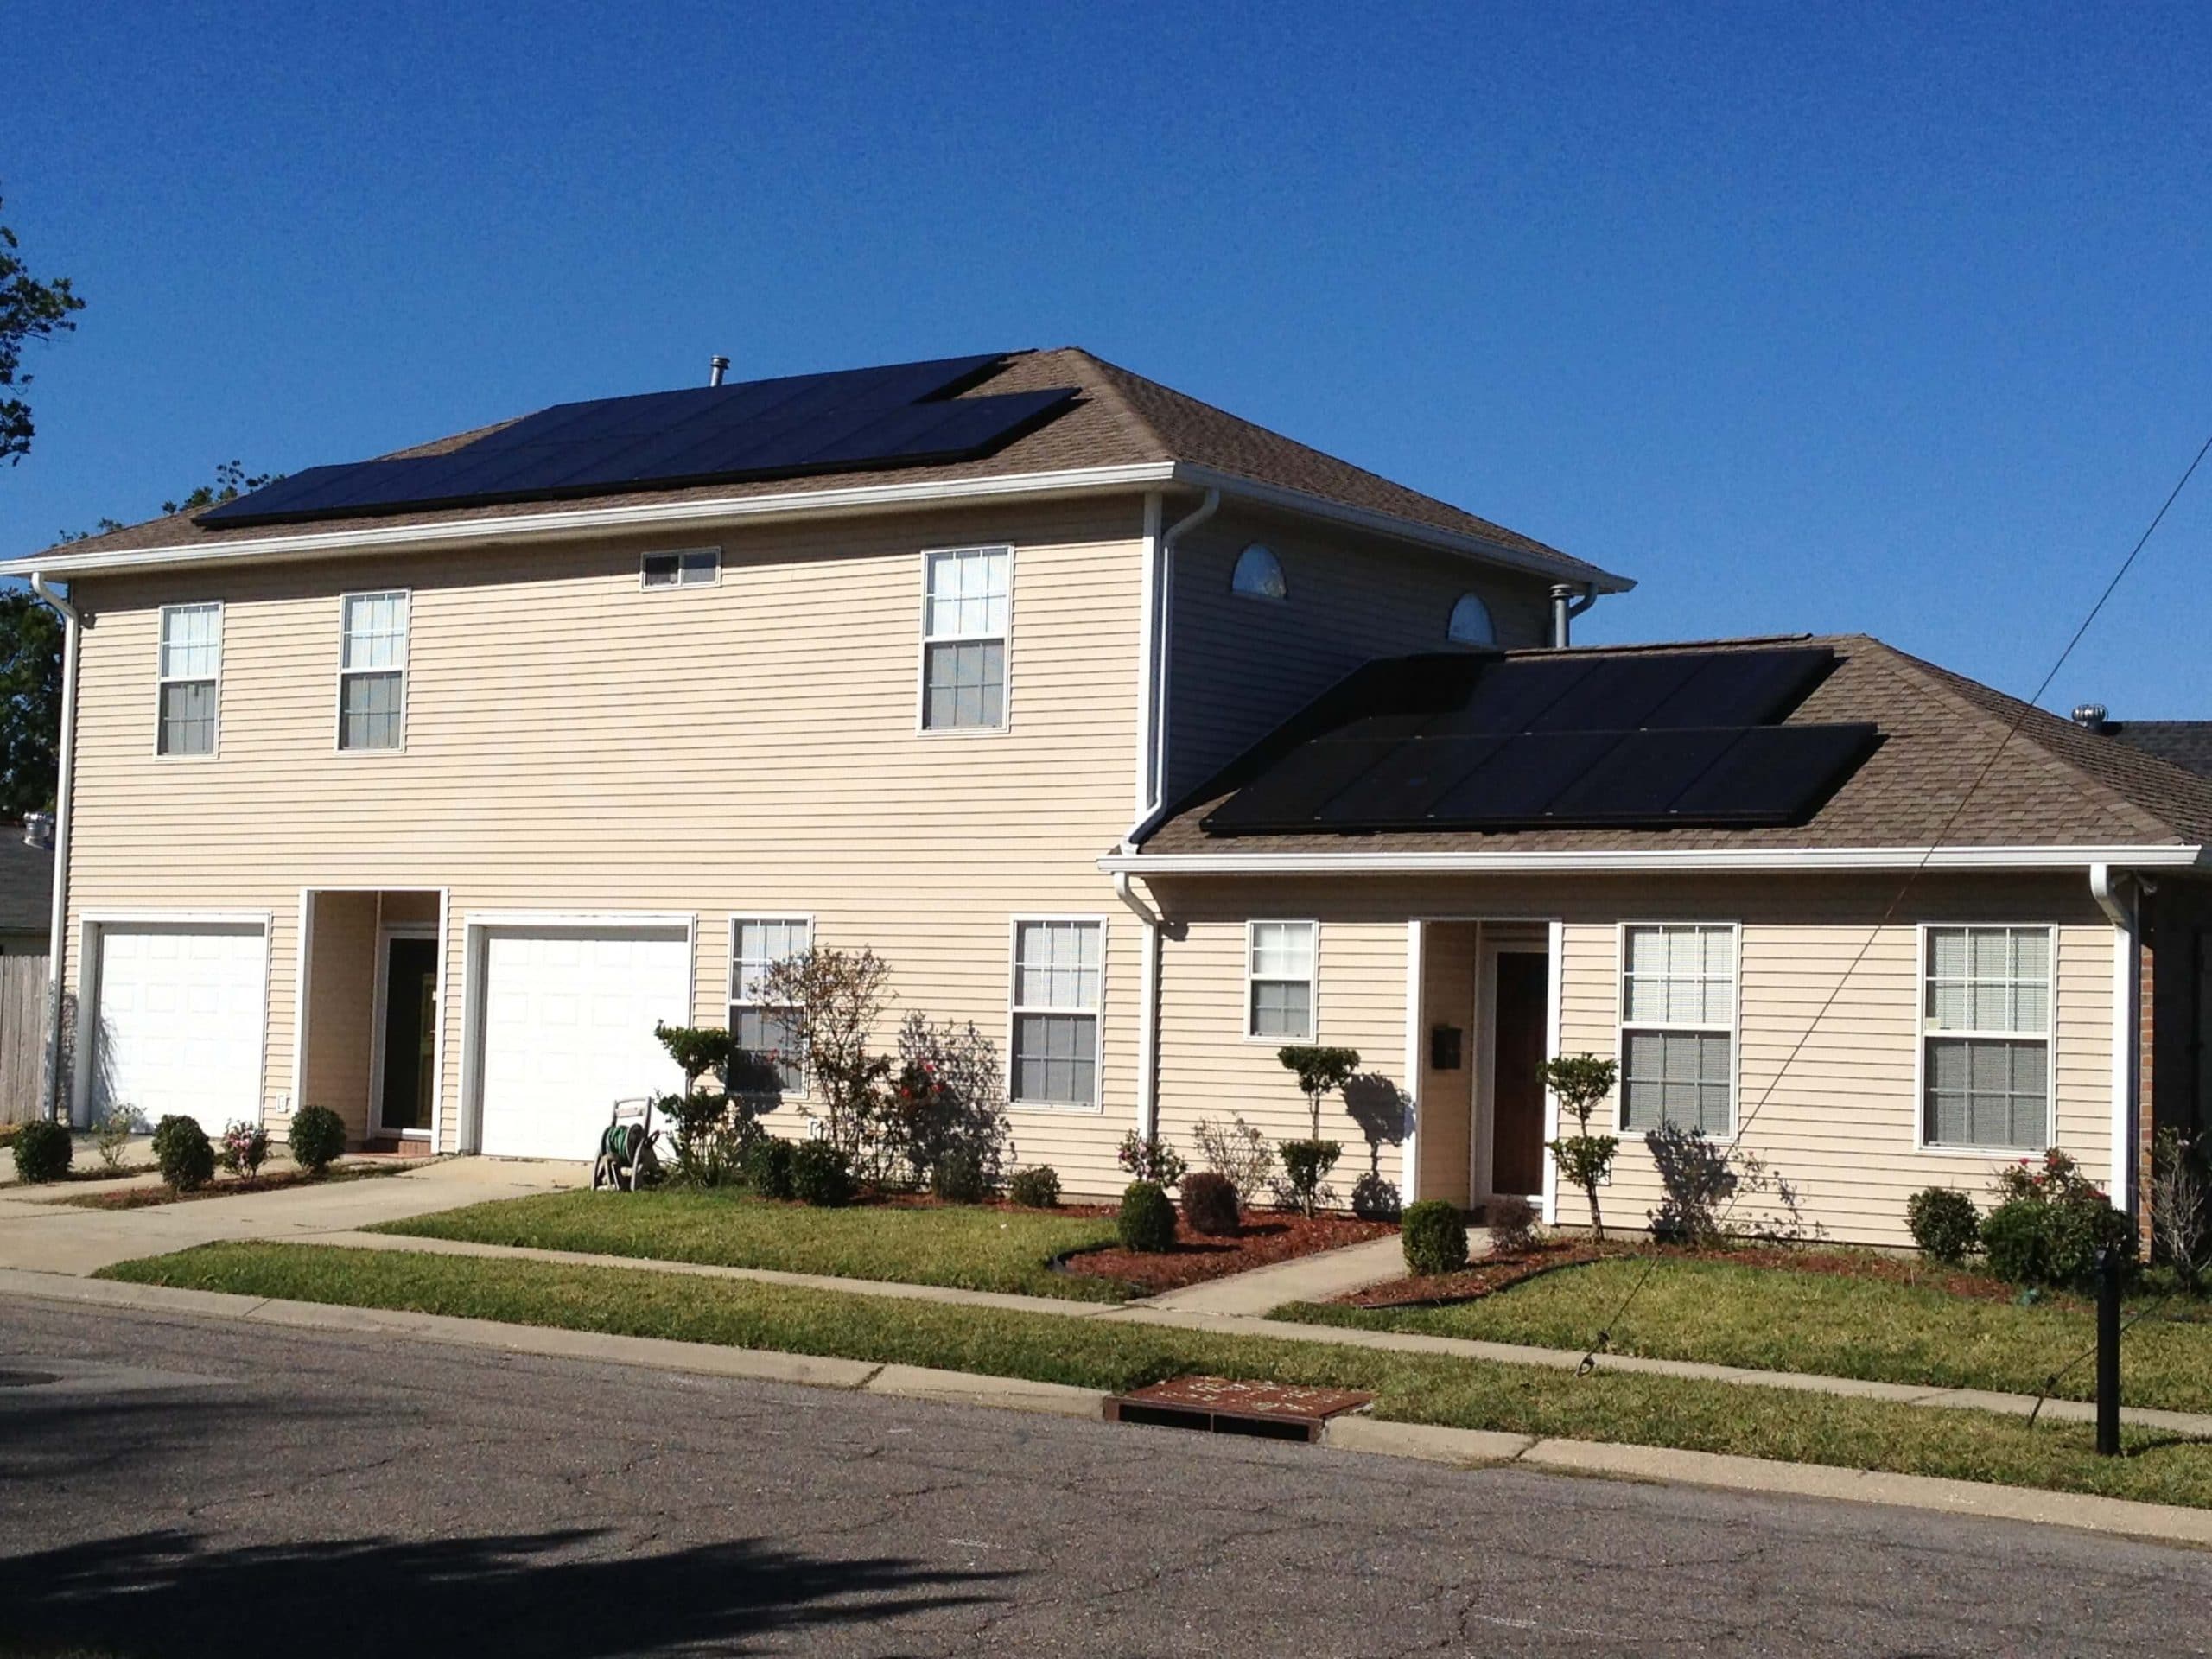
{"points": [[1564, 741], [902, 415]]}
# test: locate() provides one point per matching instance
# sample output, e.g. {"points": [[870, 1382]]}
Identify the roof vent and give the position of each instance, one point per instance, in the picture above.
{"points": [[2090, 717], [38, 829], [716, 367]]}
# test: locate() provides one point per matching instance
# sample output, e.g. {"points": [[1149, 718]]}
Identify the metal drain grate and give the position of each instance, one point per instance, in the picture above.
{"points": [[26, 1379], [1221, 1405]]}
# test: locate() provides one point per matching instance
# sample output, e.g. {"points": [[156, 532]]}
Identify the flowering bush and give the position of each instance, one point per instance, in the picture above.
{"points": [[246, 1148], [2052, 1223], [1151, 1160]]}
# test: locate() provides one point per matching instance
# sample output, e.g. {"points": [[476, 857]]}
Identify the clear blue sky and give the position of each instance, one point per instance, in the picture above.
{"points": [[1893, 318]]}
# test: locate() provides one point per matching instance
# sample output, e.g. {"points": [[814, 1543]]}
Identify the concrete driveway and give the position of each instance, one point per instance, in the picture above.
{"points": [[42, 1234]]}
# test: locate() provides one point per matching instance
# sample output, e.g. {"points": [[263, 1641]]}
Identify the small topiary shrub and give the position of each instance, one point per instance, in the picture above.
{"points": [[1209, 1204], [180, 1148], [1944, 1222], [43, 1150], [1305, 1167], [318, 1137], [1512, 1224], [2052, 1225], [822, 1175], [960, 1177], [2017, 1235], [1377, 1198], [1036, 1189], [1434, 1235], [1147, 1219], [766, 1166]]}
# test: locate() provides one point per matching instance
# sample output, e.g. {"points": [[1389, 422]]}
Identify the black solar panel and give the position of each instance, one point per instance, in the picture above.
{"points": [[1486, 742], [900, 414]]}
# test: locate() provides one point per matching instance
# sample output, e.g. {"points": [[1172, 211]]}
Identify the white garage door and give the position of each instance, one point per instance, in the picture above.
{"points": [[568, 1019], [179, 1022]]}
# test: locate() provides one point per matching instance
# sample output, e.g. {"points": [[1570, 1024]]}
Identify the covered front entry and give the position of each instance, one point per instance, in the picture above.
{"points": [[1488, 1020], [372, 985]]}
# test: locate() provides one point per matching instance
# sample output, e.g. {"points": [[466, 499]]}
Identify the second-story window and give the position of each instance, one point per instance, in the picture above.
{"points": [[372, 671], [1258, 575], [191, 674], [691, 566], [963, 638]]}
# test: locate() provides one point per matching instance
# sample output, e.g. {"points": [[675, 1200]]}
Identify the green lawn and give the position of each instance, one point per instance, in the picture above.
{"points": [[970, 1247], [1773, 1318], [1654, 1411]]}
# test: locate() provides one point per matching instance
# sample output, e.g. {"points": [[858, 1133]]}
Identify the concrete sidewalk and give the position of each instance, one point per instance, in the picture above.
{"points": [[1307, 1279]]}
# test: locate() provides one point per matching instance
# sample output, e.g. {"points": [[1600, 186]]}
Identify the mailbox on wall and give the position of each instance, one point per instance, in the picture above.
{"points": [[1444, 1048]]}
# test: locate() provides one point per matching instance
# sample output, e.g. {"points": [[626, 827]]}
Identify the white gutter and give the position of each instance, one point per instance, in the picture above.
{"points": [[64, 756], [2127, 1030], [1772, 858], [1148, 1016]]}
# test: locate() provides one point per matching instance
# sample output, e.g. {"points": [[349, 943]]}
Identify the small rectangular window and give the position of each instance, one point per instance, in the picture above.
{"points": [[963, 639], [189, 678], [1987, 1021], [1278, 970], [765, 1033], [691, 566], [1678, 1028], [1058, 982], [372, 671]]}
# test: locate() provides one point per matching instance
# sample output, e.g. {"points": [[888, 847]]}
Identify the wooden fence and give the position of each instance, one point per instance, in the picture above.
{"points": [[23, 1036]]}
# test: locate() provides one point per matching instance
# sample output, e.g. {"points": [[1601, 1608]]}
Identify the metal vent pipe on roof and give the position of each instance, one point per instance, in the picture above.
{"points": [[2090, 717], [1569, 600], [716, 367]]}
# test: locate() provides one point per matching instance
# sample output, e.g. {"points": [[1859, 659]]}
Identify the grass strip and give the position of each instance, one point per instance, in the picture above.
{"points": [[1777, 1319], [1746, 1420], [966, 1247]]}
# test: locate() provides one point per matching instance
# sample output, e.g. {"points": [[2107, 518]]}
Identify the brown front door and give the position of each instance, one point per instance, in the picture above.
{"points": [[1516, 1080]]}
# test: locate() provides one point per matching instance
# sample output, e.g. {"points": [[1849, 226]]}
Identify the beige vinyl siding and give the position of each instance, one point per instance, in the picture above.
{"points": [[341, 991], [1447, 1098], [1840, 1121], [577, 744], [1240, 667]]}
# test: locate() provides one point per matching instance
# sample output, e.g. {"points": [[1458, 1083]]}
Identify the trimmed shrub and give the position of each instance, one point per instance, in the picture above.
{"points": [[1151, 1160], [2052, 1223], [1305, 1167], [1512, 1224], [766, 1166], [1209, 1203], [1035, 1189], [43, 1150], [821, 1175], [1147, 1219], [960, 1177], [318, 1137], [1377, 1198], [1944, 1222], [1434, 1235], [2082, 1230], [2017, 1235], [181, 1148]]}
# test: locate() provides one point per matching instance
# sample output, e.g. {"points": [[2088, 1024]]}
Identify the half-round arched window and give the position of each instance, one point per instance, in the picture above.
{"points": [[1471, 624], [1259, 574]]}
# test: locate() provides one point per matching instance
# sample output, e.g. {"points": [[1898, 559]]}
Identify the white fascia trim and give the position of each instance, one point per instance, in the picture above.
{"points": [[302, 545], [1404, 530], [1744, 858]]}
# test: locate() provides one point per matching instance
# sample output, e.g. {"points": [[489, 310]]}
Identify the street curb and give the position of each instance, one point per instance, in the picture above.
{"points": [[1463, 1448]]}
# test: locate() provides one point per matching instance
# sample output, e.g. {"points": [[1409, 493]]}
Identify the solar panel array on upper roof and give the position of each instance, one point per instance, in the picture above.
{"points": [[1483, 742], [902, 415]]}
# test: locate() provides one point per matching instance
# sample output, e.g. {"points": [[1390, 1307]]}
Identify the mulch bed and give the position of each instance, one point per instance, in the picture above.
{"points": [[1196, 1257], [145, 1198], [1493, 1273]]}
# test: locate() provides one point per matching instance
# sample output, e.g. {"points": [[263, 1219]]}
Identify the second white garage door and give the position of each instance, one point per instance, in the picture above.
{"points": [[568, 1019]]}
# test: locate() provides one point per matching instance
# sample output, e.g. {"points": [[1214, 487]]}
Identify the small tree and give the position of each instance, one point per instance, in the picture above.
{"points": [[836, 1001], [1580, 1080], [1307, 1163], [2177, 1208], [705, 1142]]}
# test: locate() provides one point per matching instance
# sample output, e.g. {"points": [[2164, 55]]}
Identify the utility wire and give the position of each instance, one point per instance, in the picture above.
{"points": [[1604, 1333]]}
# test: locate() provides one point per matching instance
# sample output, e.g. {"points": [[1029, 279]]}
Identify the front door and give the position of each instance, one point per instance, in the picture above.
{"points": [[410, 1034], [1516, 1072]]}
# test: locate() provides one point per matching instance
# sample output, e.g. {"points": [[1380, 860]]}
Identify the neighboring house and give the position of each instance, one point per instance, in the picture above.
{"points": [[421, 788], [26, 886]]}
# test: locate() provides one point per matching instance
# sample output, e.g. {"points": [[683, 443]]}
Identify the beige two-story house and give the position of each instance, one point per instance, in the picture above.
{"points": [[1145, 738]]}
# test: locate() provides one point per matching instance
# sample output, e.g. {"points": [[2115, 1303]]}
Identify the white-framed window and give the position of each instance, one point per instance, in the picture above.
{"points": [[1986, 1030], [190, 678], [765, 1030], [965, 599], [1258, 575], [1471, 623], [372, 671], [1678, 1027], [682, 567], [1279, 961], [1059, 988]]}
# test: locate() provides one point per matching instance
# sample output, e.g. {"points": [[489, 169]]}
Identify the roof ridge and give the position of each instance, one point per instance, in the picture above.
{"points": [[1948, 685], [1115, 400]]}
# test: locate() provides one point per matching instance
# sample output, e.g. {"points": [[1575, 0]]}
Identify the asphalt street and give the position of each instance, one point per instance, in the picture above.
{"points": [[173, 1486]]}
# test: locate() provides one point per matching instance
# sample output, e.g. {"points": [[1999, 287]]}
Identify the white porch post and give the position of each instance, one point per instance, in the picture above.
{"points": [[1414, 974]]}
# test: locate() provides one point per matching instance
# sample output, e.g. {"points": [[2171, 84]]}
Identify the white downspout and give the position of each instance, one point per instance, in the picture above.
{"points": [[2126, 1031], [64, 755], [1148, 1018]]}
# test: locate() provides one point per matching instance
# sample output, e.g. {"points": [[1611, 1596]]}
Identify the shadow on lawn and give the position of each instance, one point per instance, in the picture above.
{"points": [[539, 1594]]}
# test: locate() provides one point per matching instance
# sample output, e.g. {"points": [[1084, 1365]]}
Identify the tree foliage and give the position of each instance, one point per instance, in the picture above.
{"points": [[1584, 1161], [30, 309], [30, 703]]}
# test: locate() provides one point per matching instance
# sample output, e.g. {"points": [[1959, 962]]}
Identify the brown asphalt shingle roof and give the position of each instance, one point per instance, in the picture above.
{"points": [[1120, 419], [2051, 784]]}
